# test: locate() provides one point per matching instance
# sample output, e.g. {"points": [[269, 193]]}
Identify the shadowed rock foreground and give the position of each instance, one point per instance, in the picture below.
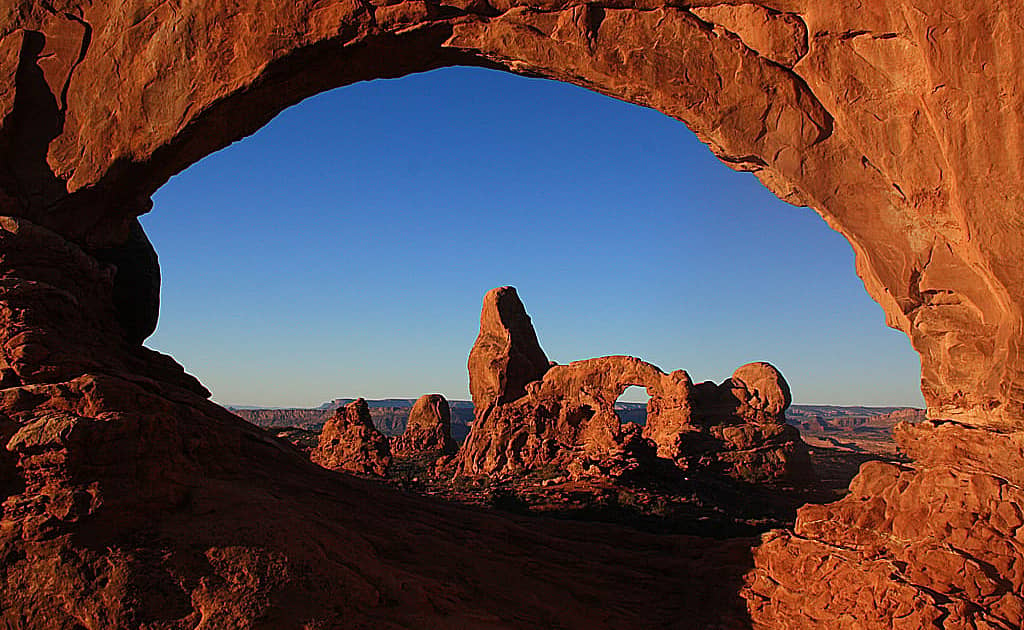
{"points": [[131, 501]]}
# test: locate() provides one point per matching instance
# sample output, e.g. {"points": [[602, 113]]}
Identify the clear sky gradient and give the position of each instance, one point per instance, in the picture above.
{"points": [[343, 250]]}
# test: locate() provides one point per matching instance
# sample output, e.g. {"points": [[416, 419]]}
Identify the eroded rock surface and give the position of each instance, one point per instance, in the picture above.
{"points": [[932, 546], [866, 113], [506, 355], [567, 418], [350, 442], [429, 430], [901, 124], [738, 426]]}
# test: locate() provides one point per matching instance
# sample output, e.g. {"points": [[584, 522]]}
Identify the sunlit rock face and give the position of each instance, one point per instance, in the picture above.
{"points": [[529, 417], [506, 355], [900, 124], [350, 442], [429, 429], [745, 419], [868, 113]]}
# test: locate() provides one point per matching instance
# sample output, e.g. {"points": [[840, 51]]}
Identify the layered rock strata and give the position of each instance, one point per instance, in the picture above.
{"points": [[350, 442], [429, 429]]}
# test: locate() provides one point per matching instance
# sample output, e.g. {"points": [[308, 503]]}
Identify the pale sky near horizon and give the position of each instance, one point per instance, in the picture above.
{"points": [[344, 249]]}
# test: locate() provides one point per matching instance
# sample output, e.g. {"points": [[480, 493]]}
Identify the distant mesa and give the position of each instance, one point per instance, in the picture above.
{"points": [[855, 429], [530, 413], [429, 429], [349, 442]]}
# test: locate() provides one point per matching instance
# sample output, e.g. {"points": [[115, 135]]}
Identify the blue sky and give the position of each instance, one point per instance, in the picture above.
{"points": [[343, 250]]}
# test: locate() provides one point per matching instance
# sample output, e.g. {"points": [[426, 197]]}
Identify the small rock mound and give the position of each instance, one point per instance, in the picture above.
{"points": [[350, 442], [738, 426], [429, 429]]}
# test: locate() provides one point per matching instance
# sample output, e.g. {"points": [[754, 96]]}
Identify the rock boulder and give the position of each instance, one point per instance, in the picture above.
{"points": [[350, 442], [429, 429]]}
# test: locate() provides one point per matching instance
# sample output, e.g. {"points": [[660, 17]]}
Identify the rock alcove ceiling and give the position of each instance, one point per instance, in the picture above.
{"points": [[128, 496]]}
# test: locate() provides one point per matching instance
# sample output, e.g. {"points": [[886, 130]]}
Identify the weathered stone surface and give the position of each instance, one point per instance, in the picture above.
{"points": [[350, 442], [746, 418], [429, 430], [937, 545], [932, 444], [506, 355], [901, 124], [864, 113], [58, 317], [567, 419], [928, 548], [780, 37], [566, 416]]}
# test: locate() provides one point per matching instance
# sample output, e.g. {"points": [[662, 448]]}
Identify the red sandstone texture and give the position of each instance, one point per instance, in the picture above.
{"points": [[429, 430], [863, 112], [129, 500], [506, 354], [566, 417], [350, 442]]}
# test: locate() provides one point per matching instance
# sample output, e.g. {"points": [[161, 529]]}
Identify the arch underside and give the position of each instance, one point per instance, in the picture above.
{"points": [[900, 125]]}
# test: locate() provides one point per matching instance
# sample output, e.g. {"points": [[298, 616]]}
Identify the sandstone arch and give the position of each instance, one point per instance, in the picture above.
{"points": [[530, 415], [901, 123], [862, 114]]}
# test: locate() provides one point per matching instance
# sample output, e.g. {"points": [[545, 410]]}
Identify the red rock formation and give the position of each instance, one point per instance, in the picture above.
{"points": [[350, 442], [567, 418], [747, 414], [930, 545], [900, 126], [429, 430], [780, 89], [131, 501], [506, 355]]}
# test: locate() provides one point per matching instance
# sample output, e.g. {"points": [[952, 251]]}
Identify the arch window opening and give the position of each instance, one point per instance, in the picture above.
{"points": [[632, 405], [342, 250]]}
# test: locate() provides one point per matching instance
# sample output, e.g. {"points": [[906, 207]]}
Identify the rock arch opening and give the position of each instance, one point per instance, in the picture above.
{"points": [[468, 179], [870, 114]]}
